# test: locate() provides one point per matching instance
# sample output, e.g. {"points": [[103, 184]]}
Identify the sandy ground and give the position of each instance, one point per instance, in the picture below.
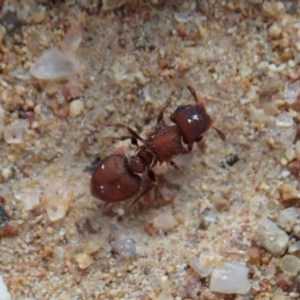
{"points": [[132, 59]]}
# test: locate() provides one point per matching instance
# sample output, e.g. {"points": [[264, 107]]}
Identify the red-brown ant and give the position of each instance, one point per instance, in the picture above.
{"points": [[118, 178]]}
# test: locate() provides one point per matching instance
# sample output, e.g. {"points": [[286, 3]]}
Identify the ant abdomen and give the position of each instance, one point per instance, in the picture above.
{"points": [[112, 181]]}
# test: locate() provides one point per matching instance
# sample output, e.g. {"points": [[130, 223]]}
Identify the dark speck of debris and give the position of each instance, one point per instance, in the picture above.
{"points": [[4, 218], [85, 227], [93, 165], [11, 21], [230, 160]]}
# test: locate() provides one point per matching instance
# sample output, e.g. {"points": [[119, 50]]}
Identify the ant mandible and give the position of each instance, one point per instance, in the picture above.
{"points": [[118, 178]]}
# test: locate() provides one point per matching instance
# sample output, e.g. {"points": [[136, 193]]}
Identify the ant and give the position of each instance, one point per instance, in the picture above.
{"points": [[118, 178]]}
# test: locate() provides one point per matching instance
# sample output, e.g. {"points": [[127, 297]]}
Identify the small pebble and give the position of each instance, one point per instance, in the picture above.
{"points": [[71, 40], [272, 10], [290, 154], [164, 221], [287, 218], [31, 200], [201, 265], [165, 296], [4, 294], [275, 30], [83, 260], [57, 196], [29, 103], [2, 33], [182, 17], [290, 264], [271, 237], [76, 107], [287, 192], [6, 173], [231, 278], [292, 90], [283, 130], [70, 90], [20, 90], [125, 247], [39, 16], [294, 247], [296, 231], [112, 4], [294, 167], [14, 132], [52, 65]]}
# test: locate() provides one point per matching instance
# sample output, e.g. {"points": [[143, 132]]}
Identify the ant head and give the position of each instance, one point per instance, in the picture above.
{"points": [[193, 121]]}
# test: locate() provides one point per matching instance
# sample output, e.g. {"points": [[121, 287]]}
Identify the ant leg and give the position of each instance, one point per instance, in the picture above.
{"points": [[173, 164], [142, 194], [220, 133], [123, 138], [147, 190], [161, 113], [107, 208], [193, 92], [130, 130], [195, 95], [133, 139]]}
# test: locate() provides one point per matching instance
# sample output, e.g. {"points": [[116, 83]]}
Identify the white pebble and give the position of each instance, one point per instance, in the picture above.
{"points": [[283, 130], [164, 221], [182, 17], [76, 107], [294, 247], [56, 198], [290, 154], [83, 260], [271, 237], [52, 65], [165, 296], [124, 247], [290, 264], [292, 90], [287, 218], [4, 294], [72, 40], [6, 173], [111, 4], [201, 265], [31, 199], [231, 278], [14, 132]]}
